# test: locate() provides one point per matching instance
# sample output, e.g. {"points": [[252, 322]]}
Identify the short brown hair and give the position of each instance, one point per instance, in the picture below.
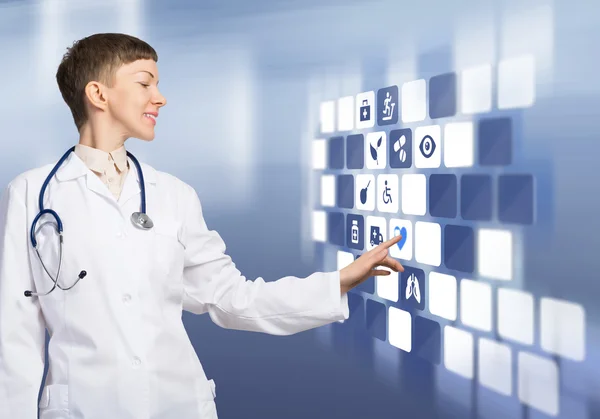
{"points": [[96, 58]]}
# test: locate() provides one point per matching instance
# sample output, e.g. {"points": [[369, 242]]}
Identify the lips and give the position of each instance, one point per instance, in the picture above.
{"points": [[151, 116]]}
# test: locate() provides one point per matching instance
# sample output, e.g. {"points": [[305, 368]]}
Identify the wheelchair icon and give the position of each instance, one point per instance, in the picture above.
{"points": [[387, 198]]}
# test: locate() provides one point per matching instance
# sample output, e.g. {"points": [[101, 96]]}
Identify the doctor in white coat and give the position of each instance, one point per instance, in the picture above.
{"points": [[118, 348]]}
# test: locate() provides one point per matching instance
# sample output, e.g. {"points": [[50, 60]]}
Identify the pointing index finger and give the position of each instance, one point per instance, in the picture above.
{"points": [[392, 241]]}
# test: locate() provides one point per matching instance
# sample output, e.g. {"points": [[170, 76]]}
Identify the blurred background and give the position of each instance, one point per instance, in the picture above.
{"points": [[246, 82]]}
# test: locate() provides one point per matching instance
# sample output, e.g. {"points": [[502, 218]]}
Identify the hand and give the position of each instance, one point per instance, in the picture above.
{"points": [[364, 267]]}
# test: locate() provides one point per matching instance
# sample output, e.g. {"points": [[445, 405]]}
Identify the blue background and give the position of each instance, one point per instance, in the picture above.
{"points": [[243, 80]]}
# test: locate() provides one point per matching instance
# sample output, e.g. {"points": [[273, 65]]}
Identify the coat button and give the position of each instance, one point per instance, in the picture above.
{"points": [[126, 298], [136, 362]]}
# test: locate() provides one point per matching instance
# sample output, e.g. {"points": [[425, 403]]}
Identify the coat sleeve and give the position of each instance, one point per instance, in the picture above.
{"points": [[213, 284], [22, 327]]}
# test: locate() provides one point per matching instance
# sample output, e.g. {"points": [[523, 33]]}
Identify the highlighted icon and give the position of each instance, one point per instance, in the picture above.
{"points": [[403, 249]]}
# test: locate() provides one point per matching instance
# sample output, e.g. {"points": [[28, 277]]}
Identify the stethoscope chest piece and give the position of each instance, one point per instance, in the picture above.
{"points": [[141, 220]]}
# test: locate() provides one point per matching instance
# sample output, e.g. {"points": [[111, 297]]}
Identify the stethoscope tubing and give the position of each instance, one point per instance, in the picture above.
{"points": [[140, 219]]}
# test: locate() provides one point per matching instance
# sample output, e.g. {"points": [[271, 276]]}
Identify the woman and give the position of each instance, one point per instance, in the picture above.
{"points": [[118, 348]]}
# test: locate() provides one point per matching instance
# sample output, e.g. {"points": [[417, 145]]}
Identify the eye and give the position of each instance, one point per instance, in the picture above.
{"points": [[427, 146], [145, 84]]}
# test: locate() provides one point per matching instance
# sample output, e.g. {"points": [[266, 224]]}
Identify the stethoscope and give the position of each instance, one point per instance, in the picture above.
{"points": [[139, 219]]}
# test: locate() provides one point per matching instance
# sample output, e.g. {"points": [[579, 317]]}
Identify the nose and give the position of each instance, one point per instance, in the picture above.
{"points": [[158, 99]]}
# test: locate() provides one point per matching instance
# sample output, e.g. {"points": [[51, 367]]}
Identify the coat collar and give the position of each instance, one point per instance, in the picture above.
{"points": [[74, 167]]}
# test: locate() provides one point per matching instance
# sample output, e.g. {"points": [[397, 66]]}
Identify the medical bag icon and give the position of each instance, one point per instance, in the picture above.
{"points": [[376, 236], [365, 111]]}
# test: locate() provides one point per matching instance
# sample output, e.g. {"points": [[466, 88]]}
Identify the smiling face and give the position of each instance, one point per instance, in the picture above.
{"points": [[133, 101]]}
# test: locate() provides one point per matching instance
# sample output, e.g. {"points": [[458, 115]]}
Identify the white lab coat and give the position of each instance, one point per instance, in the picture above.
{"points": [[118, 348]]}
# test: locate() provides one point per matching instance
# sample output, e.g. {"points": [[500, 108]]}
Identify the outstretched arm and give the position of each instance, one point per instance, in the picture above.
{"points": [[213, 284]]}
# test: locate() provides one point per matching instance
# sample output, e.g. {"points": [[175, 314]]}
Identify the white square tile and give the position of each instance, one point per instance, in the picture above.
{"points": [[319, 154], [458, 351], [515, 315], [516, 82], [364, 193], [562, 328], [404, 248], [414, 101], [376, 150], [319, 226], [495, 254], [495, 366], [387, 286], [427, 147], [345, 113], [400, 329], [327, 117], [458, 144], [428, 243], [344, 259], [328, 190], [365, 110], [538, 383], [476, 304], [387, 193], [375, 231], [442, 295], [476, 89], [414, 194]]}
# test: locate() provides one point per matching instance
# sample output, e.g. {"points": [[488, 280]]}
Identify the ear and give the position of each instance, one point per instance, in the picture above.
{"points": [[96, 95]]}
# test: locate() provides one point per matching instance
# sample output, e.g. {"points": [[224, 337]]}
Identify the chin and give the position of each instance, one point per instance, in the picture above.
{"points": [[145, 135]]}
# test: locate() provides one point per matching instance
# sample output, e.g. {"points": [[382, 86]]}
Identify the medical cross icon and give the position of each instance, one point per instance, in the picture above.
{"points": [[365, 104]]}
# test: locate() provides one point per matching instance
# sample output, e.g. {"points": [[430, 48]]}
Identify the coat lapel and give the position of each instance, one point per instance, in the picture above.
{"points": [[131, 186]]}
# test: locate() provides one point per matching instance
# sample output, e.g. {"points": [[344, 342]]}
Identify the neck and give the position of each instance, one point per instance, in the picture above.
{"points": [[99, 137]]}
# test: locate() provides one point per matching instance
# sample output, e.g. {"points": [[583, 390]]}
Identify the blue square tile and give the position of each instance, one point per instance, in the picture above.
{"points": [[377, 319], [427, 339], [367, 286], [412, 289], [495, 141], [443, 191], [476, 197], [459, 248], [515, 199], [336, 153], [442, 95], [356, 308], [335, 228], [345, 191], [400, 148], [387, 105], [355, 151], [355, 231]]}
